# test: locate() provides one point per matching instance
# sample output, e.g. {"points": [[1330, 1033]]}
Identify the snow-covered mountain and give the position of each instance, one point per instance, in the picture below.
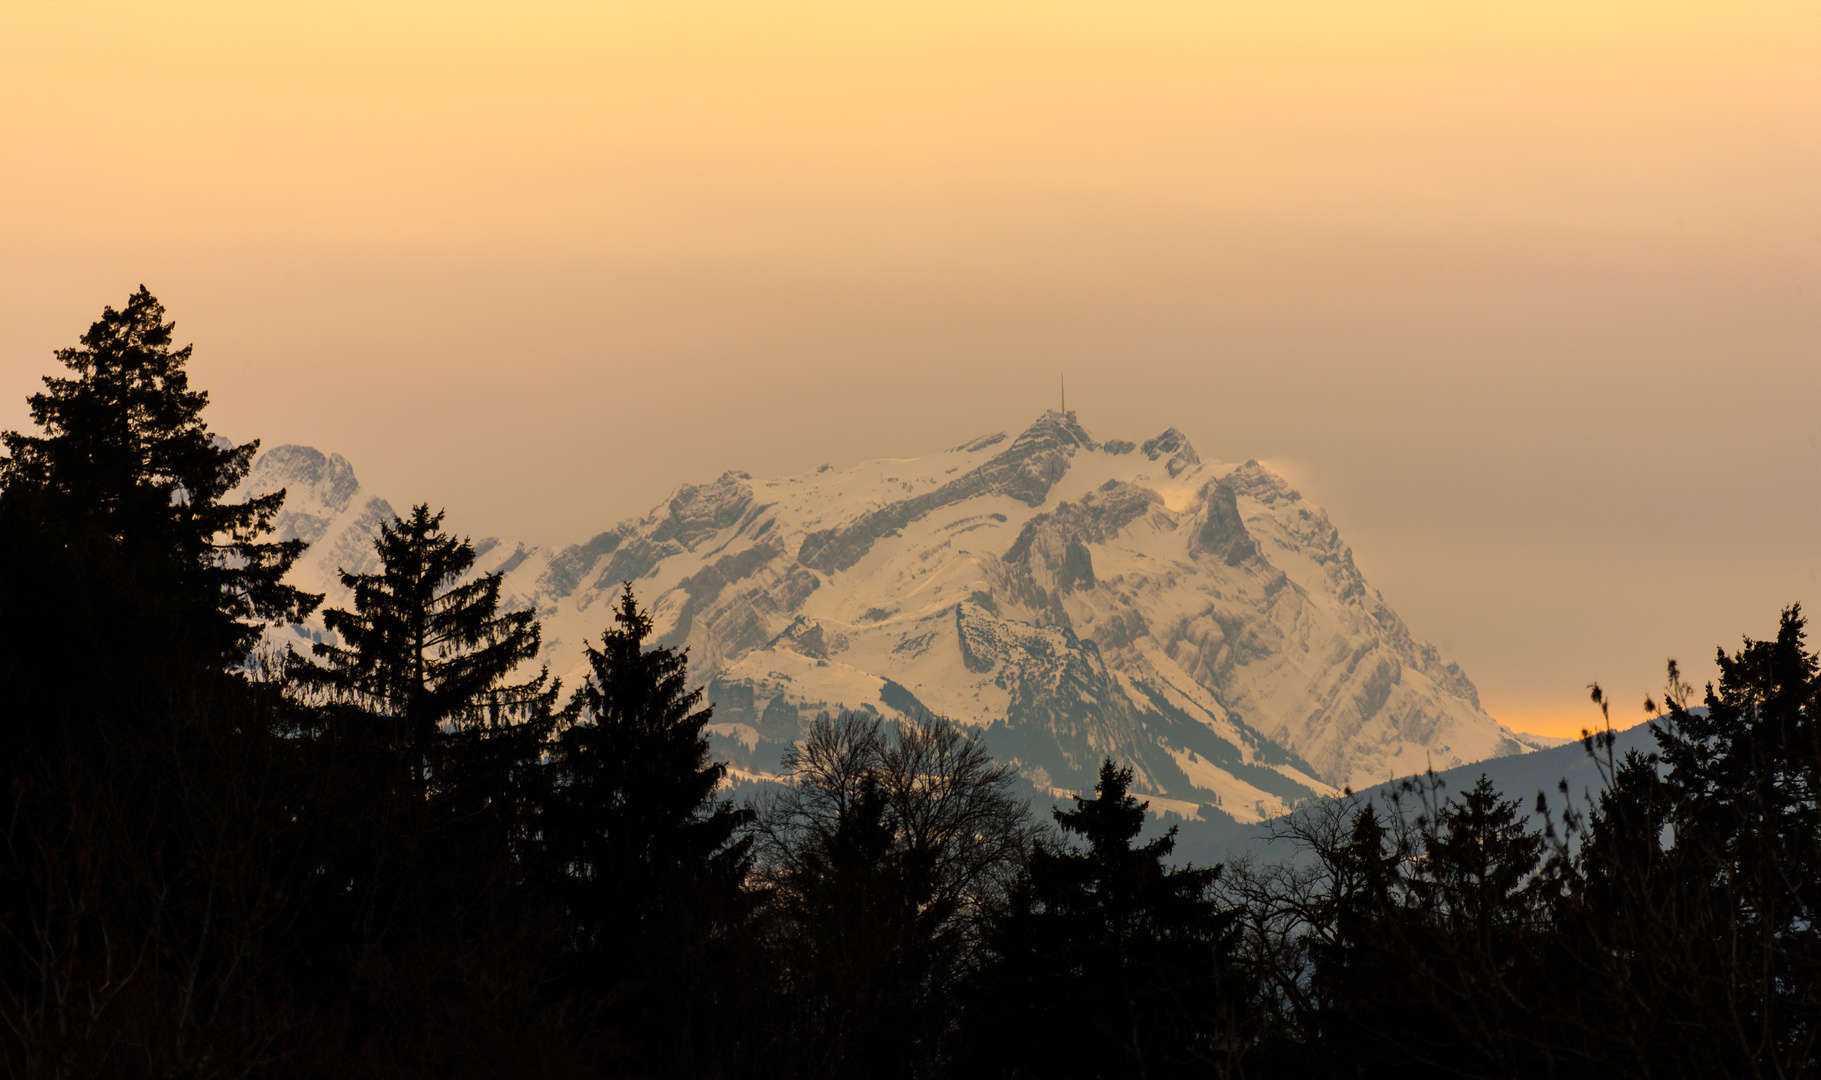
{"points": [[1199, 621]]}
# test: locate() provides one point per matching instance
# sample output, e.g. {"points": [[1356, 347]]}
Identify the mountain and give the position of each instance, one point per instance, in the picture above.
{"points": [[1197, 620], [1519, 778], [1543, 772]]}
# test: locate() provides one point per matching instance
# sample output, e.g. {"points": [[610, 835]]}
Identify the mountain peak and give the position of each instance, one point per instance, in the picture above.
{"points": [[1055, 429], [1258, 480], [317, 487], [1173, 446]]}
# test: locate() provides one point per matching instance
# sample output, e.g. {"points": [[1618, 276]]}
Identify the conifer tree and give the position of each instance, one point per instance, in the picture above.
{"points": [[634, 824], [645, 861], [430, 653], [1353, 925], [119, 504], [146, 786], [1468, 953], [1734, 884], [1131, 958], [1482, 863], [426, 842]]}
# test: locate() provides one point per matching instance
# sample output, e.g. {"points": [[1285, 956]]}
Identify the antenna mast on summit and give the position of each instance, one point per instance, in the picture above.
{"points": [[1063, 380]]}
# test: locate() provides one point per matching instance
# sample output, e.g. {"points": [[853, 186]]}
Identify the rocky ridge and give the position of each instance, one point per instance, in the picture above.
{"points": [[1199, 621]]}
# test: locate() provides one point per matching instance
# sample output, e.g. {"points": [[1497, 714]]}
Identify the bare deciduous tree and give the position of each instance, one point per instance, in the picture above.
{"points": [[883, 855]]}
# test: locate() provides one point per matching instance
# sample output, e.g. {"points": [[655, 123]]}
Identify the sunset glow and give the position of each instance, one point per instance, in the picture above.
{"points": [[1543, 235], [614, 126]]}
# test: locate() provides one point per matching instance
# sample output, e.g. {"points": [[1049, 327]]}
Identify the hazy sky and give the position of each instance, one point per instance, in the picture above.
{"points": [[1527, 294]]}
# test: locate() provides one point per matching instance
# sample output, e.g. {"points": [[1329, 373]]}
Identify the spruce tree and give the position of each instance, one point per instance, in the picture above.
{"points": [[634, 824], [1744, 791], [147, 787], [432, 655], [1359, 1007], [1129, 957], [1482, 863], [1480, 891], [426, 842], [127, 483], [645, 861]]}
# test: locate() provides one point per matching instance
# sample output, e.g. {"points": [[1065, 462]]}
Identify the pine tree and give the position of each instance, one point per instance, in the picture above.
{"points": [[645, 860], [427, 841], [1744, 788], [634, 823], [1632, 937], [1131, 958], [147, 786], [1480, 895], [1482, 863], [127, 485], [432, 654]]}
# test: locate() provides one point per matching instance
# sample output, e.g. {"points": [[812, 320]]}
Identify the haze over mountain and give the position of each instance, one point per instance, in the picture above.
{"points": [[1198, 620]]}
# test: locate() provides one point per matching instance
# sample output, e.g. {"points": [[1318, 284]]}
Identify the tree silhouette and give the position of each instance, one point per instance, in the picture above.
{"points": [[1132, 959], [634, 823], [1730, 891], [146, 793], [424, 844], [644, 857], [128, 479], [430, 653], [882, 857]]}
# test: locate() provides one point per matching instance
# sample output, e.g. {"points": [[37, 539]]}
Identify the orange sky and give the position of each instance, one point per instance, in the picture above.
{"points": [[695, 129], [1525, 293]]}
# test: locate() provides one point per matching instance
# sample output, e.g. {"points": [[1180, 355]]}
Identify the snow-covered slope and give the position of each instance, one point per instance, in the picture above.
{"points": [[1522, 779], [1199, 621]]}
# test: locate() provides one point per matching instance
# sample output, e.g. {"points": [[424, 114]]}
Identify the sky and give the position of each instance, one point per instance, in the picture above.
{"points": [[1526, 294]]}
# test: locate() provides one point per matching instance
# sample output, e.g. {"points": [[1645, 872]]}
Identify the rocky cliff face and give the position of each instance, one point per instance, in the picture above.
{"points": [[1199, 621]]}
